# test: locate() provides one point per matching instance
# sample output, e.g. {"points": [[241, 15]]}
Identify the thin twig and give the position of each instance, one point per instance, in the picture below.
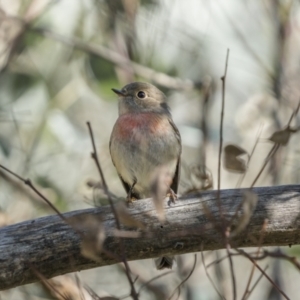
{"points": [[291, 259], [275, 147], [152, 279], [207, 87], [263, 230], [79, 287], [271, 153], [233, 280], [263, 272], [219, 260], [30, 184], [208, 275], [94, 155], [96, 159], [293, 114], [242, 177], [186, 279], [46, 282], [17, 185], [93, 294], [255, 283], [223, 79]]}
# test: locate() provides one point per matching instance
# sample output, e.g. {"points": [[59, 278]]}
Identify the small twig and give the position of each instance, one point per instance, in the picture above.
{"points": [[263, 272], [271, 153], [293, 114], [207, 87], [240, 181], [94, 155], [17, 185], [275, 147], [208, 275], [152, 279], [93, 294], [255, 284], [246, 293], [30, 184], [233, 280], [219, 260], [291, 259], [105, 187], [186, 279], [223, 79], [96, 159], [79, 287], [46, 282]]}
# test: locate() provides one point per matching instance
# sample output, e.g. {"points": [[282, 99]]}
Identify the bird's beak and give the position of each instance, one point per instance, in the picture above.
{"points": [[118, 92]]}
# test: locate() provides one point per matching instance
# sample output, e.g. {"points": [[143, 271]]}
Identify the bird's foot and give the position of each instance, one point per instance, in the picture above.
{"points": [[172, 196], [130, 199]]}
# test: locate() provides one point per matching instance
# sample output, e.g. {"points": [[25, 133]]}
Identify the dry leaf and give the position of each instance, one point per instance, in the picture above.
{"points": [[232, 160], [92, 234], [101, 295], [91, 183], [197, 178], [64, 287], [202, 177], [160, 185], [249, 205], [282, 137], [126, 218]]}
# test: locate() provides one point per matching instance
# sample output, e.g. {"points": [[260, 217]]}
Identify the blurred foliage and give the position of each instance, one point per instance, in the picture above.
{"points": [[17, 83], [50, 87]]}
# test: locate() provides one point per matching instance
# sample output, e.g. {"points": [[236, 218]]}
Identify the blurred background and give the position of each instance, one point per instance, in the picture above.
{"points": [[58, 62]]}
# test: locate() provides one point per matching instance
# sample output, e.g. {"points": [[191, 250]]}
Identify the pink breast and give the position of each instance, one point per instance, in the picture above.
{"points": [[148, 123]]}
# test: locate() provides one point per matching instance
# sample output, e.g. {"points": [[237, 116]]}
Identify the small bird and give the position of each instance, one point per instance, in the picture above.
{"points": [[145, 138]]}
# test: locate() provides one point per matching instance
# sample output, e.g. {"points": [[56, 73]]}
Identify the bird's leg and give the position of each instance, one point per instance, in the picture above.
{"points": [[172, 196], [129, 198]]}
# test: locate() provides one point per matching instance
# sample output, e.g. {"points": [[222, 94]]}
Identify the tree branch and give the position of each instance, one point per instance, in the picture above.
{"points": [[160, 78], [52, 247]]}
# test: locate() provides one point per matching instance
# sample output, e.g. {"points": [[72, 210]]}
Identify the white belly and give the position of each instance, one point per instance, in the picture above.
{"points": [[136, 159]]}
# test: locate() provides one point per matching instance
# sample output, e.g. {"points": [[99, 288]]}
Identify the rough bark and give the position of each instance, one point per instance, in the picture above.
{"points": [[52, 247]]}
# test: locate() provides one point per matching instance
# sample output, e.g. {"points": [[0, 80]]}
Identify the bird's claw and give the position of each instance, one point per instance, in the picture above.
{"points": [[130, 199], [172, 196]]}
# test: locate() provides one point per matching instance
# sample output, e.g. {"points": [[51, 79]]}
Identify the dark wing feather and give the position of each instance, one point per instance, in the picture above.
{"points": [[127, 189], [176, 178], [175, 181], [124, 183]]}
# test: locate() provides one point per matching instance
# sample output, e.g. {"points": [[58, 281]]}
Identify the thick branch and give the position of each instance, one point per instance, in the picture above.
{"points": [[53, 247]]}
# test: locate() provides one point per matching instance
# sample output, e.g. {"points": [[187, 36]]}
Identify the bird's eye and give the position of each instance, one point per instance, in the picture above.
{"points": [[141, 94]]}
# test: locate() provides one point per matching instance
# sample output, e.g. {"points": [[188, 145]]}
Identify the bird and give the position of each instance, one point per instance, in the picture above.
{"points": [[145, 138]]}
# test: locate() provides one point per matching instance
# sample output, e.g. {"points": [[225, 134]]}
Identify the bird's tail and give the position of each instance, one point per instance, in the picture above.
{"points": [[164, 262]]}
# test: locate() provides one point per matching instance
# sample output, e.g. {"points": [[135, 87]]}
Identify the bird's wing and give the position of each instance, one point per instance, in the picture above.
{"points": [[124, 183], [175, 181]]}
